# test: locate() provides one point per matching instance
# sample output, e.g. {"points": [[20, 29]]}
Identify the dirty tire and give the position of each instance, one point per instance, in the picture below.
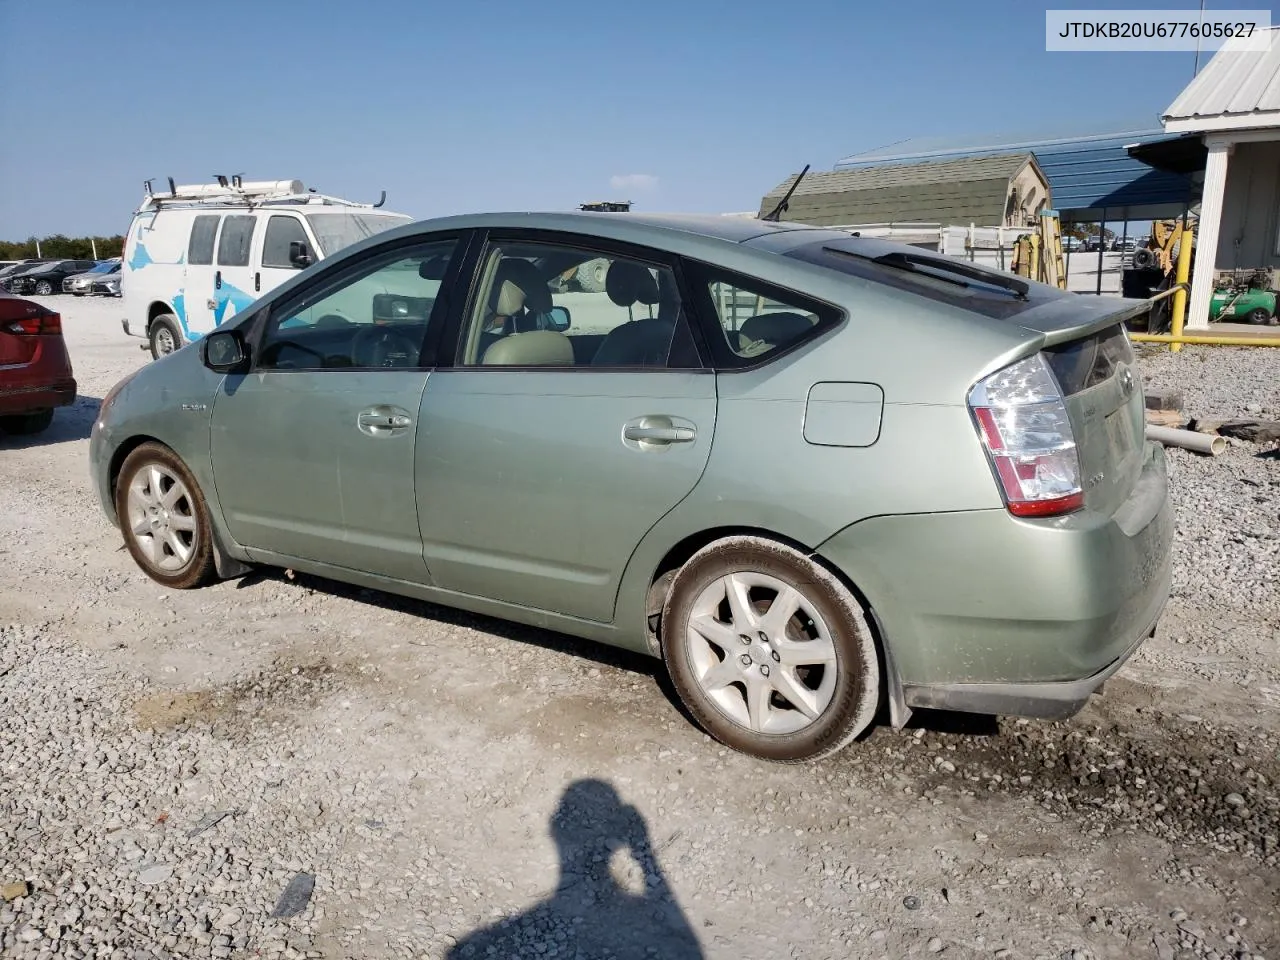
{"points": [[850, 700], [198, 569], [25, 424], [592, 274], [164, 335], [1145, 259]]}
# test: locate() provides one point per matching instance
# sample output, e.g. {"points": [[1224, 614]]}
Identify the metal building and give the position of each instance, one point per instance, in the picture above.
{"points": [[1092, 175]]}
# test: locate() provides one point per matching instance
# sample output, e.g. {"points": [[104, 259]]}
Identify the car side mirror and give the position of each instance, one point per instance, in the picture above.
{"points": [[224, 351], [558, 319], [299, 255]]}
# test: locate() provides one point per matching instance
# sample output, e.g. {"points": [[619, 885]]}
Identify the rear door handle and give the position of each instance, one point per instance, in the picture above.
{"points": [[658, 433], [385, 421]]}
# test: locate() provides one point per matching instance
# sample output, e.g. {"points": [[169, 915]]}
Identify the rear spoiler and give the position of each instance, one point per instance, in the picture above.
{"points": [[1073, 318]]}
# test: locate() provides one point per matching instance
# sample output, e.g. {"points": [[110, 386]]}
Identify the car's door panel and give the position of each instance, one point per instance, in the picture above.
{"points": [[197, 304], [528, 491], [313, 451], [298, 474]]}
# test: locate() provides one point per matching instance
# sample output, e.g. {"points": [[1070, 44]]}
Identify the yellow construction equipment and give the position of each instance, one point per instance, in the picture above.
{"points": [[1052, 266], [1038, 255]]}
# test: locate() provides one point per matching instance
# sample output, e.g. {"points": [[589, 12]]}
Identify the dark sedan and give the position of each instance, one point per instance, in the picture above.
{"points": [[46, 278]]}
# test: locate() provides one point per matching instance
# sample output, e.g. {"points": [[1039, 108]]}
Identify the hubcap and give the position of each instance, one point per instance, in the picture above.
{"points": [[164, 342], [161, 518], [762, 653]]}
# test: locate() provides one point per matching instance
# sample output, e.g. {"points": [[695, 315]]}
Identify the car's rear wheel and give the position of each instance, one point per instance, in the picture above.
{"points": [[769, 651], [44, 288], [164, 518], [164, 335], [27, 423]]}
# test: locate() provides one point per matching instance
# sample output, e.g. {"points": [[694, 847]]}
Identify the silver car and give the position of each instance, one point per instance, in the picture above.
{"points": [[83, 283]]}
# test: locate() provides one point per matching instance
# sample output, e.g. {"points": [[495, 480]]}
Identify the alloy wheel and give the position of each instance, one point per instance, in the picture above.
{"points": [[762, 653]]}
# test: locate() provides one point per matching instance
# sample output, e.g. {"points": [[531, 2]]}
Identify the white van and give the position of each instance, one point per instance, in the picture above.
{"points": [[200, 254]]}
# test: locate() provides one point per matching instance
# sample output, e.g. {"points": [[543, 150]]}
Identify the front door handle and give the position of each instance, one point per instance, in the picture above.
{"points": [[659, 434], [257, 283], [385, 421], [217, 280]]}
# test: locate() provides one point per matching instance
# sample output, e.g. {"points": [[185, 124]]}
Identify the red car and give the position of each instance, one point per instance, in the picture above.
{"points": [[35, 369]]}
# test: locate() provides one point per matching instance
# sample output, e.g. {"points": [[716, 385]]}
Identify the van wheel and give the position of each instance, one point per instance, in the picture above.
{"points": [[164, 335], [163, 517], [770, 652]]}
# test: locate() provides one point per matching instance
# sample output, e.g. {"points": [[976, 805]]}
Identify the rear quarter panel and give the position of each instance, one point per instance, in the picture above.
{"points": [[763, 474]]}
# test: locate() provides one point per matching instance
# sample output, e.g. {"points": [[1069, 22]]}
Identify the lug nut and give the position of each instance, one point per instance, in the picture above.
{"points": [[746, 659], [745, 639], [764, 669], [776, 658]]}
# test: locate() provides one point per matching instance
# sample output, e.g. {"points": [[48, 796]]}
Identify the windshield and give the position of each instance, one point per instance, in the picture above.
{"points": [[337, 230]]}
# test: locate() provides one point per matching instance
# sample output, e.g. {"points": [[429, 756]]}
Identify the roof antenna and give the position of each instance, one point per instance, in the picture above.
{"points": [[776, 213]]}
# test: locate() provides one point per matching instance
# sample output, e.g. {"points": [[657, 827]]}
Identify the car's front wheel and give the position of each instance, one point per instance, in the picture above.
{"points": [[164, 518], [769, 651], [44, 288]]}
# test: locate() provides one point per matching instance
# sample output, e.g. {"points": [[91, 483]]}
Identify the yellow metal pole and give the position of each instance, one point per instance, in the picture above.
{"points": [[1180, 277], [1205, 341]]}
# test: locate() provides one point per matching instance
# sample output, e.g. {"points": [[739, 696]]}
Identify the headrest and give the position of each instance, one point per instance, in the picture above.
{"points": [[524, 276], [628, 283], [777, 328], [510, 299]]}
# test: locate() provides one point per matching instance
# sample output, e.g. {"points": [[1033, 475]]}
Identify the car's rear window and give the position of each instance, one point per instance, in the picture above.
{"points": [[1082, 364], [990, 297]]}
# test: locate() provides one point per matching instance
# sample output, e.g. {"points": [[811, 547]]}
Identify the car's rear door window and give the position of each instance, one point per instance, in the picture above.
{"points": [[203, 230], [233, 244]]}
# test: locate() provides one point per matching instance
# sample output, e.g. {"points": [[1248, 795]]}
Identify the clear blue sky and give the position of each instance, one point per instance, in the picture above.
{"points": [[472, 105]]}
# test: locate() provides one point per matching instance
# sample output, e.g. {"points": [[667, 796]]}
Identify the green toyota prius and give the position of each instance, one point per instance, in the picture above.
{"points": [[822, 477]]}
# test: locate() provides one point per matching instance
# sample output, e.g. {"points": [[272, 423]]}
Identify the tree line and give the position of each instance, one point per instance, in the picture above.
{"points": [[60, 247]]}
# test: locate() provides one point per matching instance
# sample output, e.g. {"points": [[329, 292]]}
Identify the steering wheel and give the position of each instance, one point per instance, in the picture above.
{"points": [[377, 346]]}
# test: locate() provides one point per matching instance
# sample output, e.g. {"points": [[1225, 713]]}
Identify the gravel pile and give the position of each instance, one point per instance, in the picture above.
{"points": [[1227, 555]]}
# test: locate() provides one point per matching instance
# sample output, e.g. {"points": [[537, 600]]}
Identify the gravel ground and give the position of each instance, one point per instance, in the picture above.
{"points": [[296, 768]]}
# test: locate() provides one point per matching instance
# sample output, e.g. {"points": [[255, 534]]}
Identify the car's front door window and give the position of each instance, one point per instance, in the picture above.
{"points": [[376, 317]]}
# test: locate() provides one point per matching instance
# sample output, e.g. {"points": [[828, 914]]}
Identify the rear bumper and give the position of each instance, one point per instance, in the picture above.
{"points": [[1045, 701], [987, 613], [28, 399]]}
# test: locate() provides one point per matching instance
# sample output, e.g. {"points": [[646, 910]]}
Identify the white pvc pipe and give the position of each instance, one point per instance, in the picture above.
{"points": [[1187, 439]]}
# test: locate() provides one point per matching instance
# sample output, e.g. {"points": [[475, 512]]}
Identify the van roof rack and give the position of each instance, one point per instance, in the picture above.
{"points": [[235, 191]]}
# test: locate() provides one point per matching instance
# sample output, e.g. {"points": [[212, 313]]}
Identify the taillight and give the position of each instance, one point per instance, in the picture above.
{"points": [[49, 323], [1023, 422]]}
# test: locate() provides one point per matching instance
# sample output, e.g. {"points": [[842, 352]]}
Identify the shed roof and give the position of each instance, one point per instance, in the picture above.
{"points": [[964, 190], [1088, 172], [1237, 89]]}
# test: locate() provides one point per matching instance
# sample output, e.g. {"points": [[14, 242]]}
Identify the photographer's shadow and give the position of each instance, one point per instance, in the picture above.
{"points": [[591, 914]]}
